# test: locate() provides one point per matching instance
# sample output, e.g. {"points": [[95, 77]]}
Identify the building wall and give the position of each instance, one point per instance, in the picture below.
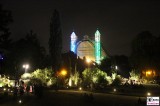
{"points": [[86, 48]]}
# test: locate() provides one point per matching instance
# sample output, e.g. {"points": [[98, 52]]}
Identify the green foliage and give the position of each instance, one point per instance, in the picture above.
{"points": [[87, 75], [26, 76], [114, 76], [117, 81], [5, 81], [95, 76], [109, 79], [134, 75], [45, 76], [74, 79], [99, 75]]}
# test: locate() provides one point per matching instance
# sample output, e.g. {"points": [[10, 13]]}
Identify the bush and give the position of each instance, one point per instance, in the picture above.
{"points": [[35, 81], [117, 81], [95, 76], [45, 76]]}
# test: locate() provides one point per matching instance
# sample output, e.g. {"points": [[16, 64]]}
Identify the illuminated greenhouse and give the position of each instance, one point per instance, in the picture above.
{"points": [[88, 48]]}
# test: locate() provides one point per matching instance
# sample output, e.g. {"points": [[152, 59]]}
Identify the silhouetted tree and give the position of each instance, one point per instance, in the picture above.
{"points": [[123, 64], [121, 61], [5, 20], [55, 41], [157, 53], [5, 41], [26, 50], [106, 64], [69, 61], [144, 51]]}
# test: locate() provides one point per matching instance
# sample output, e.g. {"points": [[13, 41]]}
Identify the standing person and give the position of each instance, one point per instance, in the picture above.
{"points": [[27, 89], [21, 90], [15, 92]]}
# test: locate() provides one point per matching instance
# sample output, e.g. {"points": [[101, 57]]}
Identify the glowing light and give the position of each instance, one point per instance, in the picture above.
{"points": [[88, 60], [63, 72], [4, 89], [20, 101], [95, 79], [12, 84], [80, 88], [97, 47], [25, 66], [70, 82], [116, 67], [1, 57], [149, 72], [148, 93], [114, 90], [73, 42], [1, 84]]}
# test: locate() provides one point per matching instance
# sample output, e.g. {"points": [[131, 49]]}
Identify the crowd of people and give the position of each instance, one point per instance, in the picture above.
{"points": [[20, 88]]}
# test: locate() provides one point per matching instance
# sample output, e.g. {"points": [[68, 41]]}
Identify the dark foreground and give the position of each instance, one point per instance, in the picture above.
{"points": [[74, 98]]}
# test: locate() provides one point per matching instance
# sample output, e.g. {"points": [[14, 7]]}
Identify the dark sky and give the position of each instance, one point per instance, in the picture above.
{"points": [[118, 21]]}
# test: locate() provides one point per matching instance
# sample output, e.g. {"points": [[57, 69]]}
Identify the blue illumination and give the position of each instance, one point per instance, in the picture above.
{"points": [[1, 57], [73, 42]]}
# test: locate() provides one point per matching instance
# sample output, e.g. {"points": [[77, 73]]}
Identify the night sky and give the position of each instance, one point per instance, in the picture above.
{"points": [[118, 22]]}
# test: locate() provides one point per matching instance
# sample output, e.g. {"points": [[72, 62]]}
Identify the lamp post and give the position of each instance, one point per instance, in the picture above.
{"points": [[26, 66]]}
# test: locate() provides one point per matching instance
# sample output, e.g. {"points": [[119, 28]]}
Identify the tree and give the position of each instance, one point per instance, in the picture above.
{"points": [[134, 76], [5, 41], [121, 61], [45, 76], [74, 79], [157, 52], [25, 50], [94, 76], [69, 61], [117, 81], [106, 64], [143, 51], [55, 41], [5, 20]]}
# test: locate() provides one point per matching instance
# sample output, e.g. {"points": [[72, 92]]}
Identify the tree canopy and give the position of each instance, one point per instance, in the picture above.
{"points": [[145, 51], [55, 41], [5, 21], [24, 51]]}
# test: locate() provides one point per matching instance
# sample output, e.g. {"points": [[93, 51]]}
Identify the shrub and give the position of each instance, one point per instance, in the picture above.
{"points": [[117, 81], [95, 76], [134, 75]]}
